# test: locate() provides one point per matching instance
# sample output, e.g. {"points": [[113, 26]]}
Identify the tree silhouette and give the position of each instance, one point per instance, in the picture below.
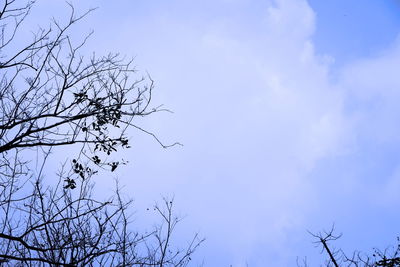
{"points": [[390, 257], [52, 96]]}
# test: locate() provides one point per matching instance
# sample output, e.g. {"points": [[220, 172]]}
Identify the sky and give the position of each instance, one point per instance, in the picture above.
{"points": [[288, 112]]}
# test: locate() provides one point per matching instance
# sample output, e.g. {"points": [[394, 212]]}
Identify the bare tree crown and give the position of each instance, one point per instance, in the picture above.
{"points": [[52, 96]]}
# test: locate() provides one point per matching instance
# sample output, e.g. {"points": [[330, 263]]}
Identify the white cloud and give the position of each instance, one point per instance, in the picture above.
{"points": [[373, 90], [256, 112], [372, 86]]}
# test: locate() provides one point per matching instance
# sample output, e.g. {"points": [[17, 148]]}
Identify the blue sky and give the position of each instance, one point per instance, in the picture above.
{"points": [[352, 29], [288, 112]]}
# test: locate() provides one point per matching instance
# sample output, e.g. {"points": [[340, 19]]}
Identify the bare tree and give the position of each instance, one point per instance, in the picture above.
{"points": [[64, 227], [390, 257], [52, 96]]}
